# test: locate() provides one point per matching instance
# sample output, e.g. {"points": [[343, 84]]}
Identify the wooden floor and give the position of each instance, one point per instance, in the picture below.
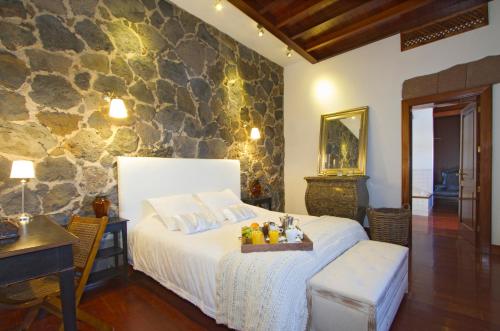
{"points": [[452, 288]]}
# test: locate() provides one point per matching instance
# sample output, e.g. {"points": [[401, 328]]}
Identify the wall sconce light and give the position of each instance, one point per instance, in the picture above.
{"points": [[261, 30], [218, 5], [288, 52], [255, 134], [23, 170], [117, 107]]}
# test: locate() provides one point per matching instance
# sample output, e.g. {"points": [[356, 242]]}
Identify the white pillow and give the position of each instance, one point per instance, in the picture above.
{"points": [[196, 222], [238, 213], [217, 201], [169, 206]]}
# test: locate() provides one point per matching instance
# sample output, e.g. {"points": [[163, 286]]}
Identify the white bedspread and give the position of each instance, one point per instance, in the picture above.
{"points": [[267, 291], [188, 264]]}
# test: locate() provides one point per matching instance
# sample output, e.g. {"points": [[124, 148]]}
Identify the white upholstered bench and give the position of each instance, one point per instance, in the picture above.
{"points": [[360, 290]]}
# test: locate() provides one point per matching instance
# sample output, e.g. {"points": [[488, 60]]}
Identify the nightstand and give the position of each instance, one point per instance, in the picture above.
{"points": [[264, 202], [117, 227]]}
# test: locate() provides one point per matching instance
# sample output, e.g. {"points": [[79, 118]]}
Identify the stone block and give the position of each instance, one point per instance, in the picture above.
{"points": [[53, 6], [9, 8], [125, 141], [143, 66], [59, 197], [185, 147], [59, 123], [12, 106], [30, 140], [83, 7], [95, 62], [420, 86], [120, 68], [95, 179], [52, 169], [86, 144], [131, 10], [172, 30], [13, 71], [110, 84], [93, 35], [56, 36], [40, 60], [173, 71], [452, 79], [125, 39], [15, 36], [54, 91], [484, 72]]}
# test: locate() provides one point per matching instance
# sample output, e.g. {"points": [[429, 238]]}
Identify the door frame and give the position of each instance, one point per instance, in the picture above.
{"points": [[484, 95]]}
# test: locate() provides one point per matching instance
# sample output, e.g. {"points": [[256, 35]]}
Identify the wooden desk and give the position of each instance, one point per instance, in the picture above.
{"points": [[43, 248]]}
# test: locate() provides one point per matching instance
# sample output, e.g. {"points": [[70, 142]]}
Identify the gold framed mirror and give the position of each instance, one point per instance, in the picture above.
{"points": [[343, 139]]}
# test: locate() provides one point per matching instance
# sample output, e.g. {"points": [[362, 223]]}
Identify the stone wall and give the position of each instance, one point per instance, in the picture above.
{"points": [[191, 91]]}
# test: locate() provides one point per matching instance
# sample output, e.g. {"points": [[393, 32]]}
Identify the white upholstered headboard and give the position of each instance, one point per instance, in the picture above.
{"points": [[141, 178]]}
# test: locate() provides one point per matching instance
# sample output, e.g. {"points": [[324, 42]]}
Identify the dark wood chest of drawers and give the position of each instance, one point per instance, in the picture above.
{"points": [[342, 196]]}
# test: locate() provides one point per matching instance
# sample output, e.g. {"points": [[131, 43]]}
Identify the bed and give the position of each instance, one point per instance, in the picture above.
{"points": [[192, 265]]}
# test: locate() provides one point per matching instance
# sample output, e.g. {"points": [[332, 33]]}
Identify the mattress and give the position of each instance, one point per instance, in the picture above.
{"points": [[187, 264]]}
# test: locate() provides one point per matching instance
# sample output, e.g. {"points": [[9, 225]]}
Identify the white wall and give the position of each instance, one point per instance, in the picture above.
{"points": [[373, 75], [422, 151]]}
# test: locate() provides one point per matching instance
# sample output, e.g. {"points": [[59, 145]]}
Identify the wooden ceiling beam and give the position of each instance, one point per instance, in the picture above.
{"points": [[301, 10], [259, 18], [270, 6], [367, 23], [342, 12], [320, 29], [435, 11]]}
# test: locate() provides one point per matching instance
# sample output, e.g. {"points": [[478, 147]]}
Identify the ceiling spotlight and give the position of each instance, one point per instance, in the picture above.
{"points": [[261, 30], [288, 52], [218, 5]]}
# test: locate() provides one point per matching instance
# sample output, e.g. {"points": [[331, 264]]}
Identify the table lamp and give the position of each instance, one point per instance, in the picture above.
{"points": [[24, 170]]}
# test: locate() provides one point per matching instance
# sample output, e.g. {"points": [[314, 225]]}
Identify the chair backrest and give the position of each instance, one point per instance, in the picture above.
{"points": [[450, 177], [89, 232]]}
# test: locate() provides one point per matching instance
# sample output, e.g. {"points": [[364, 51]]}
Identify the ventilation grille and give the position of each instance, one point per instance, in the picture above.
{"points": [[460, 23]]}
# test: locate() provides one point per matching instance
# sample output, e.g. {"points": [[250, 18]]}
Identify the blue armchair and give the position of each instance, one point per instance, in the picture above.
{"points": [[449, 188]]}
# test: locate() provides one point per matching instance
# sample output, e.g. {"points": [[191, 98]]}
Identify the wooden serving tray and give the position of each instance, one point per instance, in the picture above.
{"points": [[305, 245]]}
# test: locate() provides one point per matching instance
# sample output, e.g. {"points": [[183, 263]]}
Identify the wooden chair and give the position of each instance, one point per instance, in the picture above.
{"points": [[43, 293]]}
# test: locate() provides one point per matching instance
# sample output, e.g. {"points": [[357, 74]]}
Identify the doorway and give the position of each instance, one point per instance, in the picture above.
{"points": [[446, 124], [472, 201], [437, 153]]}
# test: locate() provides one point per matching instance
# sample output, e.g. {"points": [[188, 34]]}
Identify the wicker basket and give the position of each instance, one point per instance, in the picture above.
{"points": [[390, 225]]}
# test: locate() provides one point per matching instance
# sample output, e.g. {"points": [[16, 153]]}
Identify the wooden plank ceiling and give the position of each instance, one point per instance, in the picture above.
{"points": [[320, 29]]}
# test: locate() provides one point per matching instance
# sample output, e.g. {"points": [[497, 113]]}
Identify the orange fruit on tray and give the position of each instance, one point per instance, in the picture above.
{"points": [[255, 225]]}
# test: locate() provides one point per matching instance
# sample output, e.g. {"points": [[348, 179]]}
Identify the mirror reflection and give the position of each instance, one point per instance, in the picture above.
{"points": [[343, 142]]}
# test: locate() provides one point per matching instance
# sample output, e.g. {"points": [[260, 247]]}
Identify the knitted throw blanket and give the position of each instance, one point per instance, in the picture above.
{"points": [[267, 291]]}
